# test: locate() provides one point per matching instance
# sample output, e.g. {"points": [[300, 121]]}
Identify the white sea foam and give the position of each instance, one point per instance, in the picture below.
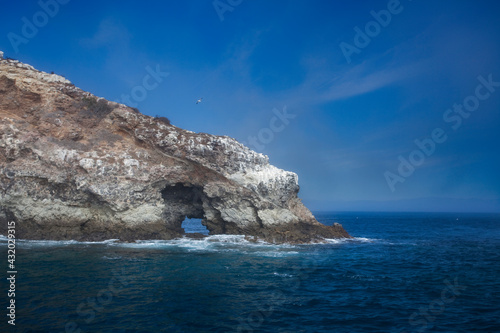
{"points": [[275, 254], [111, 257], [364, 240], [238, 243], [350, 240], [283, 275], [216, 243], [34, 242]]}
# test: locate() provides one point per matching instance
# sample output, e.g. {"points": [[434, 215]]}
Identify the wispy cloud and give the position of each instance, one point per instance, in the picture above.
{"points": [[112, 41], [377, 72], [358, 81], [109, 34]]}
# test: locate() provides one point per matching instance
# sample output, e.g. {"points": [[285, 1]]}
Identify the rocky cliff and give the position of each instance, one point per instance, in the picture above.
{"points": [[75, 166]]}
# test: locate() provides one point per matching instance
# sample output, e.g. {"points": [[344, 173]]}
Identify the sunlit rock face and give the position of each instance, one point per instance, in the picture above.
{"points": [[74, 166]]}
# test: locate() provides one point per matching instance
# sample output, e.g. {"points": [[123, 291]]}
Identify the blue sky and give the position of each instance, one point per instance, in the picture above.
{"points": [[351, 119]]}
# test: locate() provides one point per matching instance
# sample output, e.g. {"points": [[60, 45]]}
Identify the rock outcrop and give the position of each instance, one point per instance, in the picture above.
{"points": [[75, 166]]}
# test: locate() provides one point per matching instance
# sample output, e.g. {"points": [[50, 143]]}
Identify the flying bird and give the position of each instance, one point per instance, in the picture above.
{"points": [[199, 101]]}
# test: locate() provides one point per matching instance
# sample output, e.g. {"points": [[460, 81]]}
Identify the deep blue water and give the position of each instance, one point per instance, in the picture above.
{"points": [[402, 273]]}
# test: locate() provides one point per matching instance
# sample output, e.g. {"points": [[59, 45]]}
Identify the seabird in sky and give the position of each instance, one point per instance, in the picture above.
{"points": [[199, 101]]}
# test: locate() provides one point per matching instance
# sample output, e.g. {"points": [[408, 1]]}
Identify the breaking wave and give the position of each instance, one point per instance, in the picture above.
{"points": [[216, 243]]}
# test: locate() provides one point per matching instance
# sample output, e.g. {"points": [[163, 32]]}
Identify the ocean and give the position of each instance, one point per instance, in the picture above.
{"points": [[402, 272]]}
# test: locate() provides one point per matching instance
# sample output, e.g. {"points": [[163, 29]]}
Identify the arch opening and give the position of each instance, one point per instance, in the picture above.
{"points": [[194, 226], [184, 208]]}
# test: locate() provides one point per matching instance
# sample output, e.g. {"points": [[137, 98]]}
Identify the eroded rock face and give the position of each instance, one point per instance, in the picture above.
{"points": [[74, 166]]}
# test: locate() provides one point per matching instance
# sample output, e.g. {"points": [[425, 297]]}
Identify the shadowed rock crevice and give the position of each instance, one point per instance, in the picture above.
{"points": [[182, 201]]}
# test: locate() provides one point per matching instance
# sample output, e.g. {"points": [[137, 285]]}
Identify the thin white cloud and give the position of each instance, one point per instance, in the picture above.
{"points": [[354, 83], [327, 82], [109, 33]]}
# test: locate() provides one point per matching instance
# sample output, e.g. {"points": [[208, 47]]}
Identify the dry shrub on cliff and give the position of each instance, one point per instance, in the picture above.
{"points": [[164, 120], [97, 108]]}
